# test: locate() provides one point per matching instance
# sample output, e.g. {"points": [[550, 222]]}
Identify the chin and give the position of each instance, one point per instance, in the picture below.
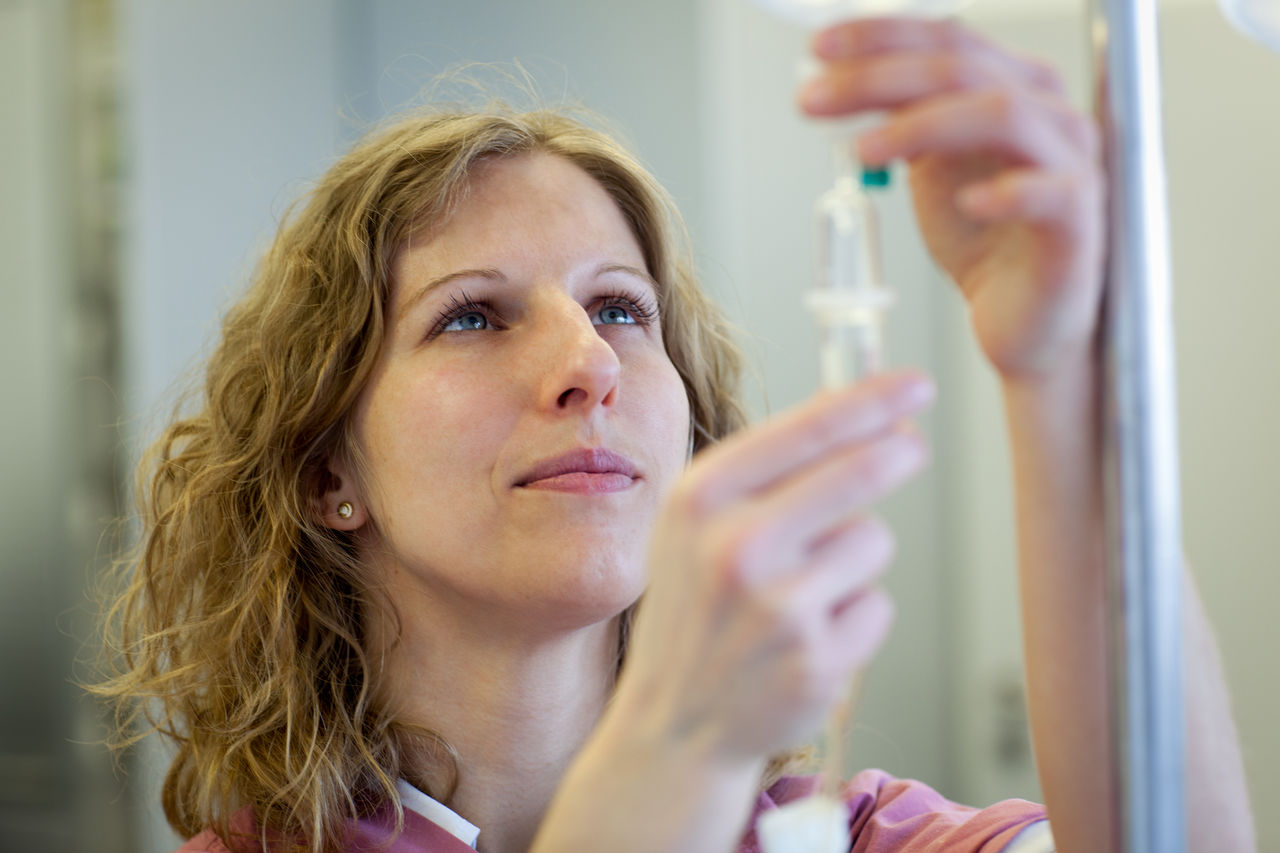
{"points": [[595, 592]]}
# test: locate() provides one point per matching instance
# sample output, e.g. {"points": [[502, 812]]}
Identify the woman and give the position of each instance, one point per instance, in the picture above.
{"points": [[391, 566]]}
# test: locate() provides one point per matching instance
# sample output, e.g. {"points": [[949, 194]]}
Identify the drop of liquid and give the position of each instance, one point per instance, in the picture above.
{"points": [[1258, 19]]}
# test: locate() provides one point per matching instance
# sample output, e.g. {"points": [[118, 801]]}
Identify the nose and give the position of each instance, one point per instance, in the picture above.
{"points": [[581, 368]]}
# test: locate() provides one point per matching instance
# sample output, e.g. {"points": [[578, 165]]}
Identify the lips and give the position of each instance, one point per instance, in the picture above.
{"points": [[593, 470]]}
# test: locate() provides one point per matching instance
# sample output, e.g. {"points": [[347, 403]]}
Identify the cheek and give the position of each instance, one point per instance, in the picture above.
{"points": [[668, 414], [681, 415], [421, 432]]}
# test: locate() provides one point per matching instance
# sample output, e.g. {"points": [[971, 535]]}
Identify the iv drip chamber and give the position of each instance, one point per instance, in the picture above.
{"points": [[851, 298], [823, 13]]}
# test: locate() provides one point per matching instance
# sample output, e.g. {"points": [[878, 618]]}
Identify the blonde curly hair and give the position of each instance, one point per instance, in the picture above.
{"points": [[238, 632]]}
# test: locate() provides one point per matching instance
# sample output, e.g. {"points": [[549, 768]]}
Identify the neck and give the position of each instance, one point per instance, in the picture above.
{"points": [[515, 706]]}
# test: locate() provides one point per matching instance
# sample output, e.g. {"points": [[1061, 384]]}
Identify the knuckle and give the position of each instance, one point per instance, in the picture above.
{"points": [[817, 684], [733, 556], [1015, 114], [809, 679], [824, 430], [1077, 126], [875, 612], [1045, 74], [873, 472], [888, 462], [1002, 108], [694, 497], [873, 412], [954, 71], [878, 538], [951, 34], [782, 617]]}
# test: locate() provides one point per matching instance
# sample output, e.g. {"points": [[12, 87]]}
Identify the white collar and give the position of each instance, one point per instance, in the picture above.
{"points": [[438, 813]]}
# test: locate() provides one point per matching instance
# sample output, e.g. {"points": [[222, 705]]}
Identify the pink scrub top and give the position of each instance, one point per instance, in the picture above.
{"points": [[886, 815]]}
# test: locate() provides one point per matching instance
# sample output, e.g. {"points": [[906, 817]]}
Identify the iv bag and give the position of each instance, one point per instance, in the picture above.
{"points": [[823, 13], [1258, 19]]}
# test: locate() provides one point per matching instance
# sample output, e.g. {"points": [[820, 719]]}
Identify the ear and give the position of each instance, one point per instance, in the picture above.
{"points": [[341, 506]]}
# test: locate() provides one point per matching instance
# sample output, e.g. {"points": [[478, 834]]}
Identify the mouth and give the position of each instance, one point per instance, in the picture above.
{"points": [[586, 471]]}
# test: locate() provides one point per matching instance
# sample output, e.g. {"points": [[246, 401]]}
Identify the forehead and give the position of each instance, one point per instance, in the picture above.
{"points": [[520, 210]]}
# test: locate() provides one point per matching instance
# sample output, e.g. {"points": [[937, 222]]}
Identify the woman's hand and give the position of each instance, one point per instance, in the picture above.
{"points": [[1005, 176], [1009, 194], [762, 600]]}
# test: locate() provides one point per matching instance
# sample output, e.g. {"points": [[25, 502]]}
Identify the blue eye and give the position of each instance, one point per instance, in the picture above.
{"points": [[472, 321], [464, 314], [614, 315]]}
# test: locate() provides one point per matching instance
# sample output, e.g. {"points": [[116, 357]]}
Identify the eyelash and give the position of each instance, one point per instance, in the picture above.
{"points": [[640, 306]]}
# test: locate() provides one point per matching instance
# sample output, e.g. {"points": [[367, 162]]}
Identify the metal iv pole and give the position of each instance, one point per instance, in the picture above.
{"points": [[1140, 435]]}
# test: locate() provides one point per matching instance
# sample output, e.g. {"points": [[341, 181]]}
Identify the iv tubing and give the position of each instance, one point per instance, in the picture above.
{"points": [[853, 300]]}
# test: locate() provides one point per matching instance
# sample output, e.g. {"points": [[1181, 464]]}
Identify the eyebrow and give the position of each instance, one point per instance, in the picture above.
{"points": [[494, 275], [635, 271], [422, 292]]}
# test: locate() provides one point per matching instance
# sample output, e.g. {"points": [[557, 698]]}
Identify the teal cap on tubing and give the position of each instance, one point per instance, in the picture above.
{"points": [[875, 178]]}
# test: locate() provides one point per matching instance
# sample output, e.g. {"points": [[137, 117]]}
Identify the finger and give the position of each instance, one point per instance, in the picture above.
{"points": [[859, 629], [892, 81], [870, 37], [753, 461], [864, 36], [1026, 128], [1033, 196], [794, 519], [846, 563]]}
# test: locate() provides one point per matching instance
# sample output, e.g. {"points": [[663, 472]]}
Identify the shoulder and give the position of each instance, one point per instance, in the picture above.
{"points": [[376, 832], [206, 842], [887, 813]]}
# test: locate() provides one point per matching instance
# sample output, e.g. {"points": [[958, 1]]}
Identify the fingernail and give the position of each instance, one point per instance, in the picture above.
{"points": [[873, 148], [827, 43], [916, 393], [815, 94]]}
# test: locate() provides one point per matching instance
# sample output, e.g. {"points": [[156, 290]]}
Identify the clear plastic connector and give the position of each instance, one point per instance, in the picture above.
{"points": [[851, 299]]}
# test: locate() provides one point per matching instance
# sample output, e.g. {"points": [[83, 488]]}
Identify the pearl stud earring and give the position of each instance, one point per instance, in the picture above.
{"points": [[345, 509]]}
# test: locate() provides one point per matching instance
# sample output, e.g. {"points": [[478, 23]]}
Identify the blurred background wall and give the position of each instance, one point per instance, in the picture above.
{"points": [[151, 147], [59, 446]]}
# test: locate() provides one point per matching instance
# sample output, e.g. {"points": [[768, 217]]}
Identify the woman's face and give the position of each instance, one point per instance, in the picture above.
{"points": [[524, 421]]}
